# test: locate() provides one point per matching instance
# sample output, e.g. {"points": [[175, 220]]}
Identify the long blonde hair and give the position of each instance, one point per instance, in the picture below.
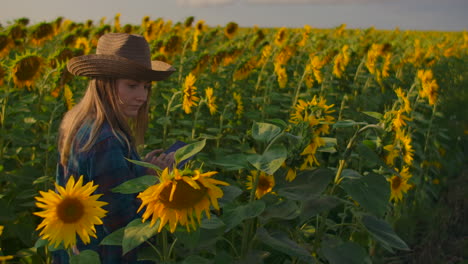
{"points": [[98, 105]]}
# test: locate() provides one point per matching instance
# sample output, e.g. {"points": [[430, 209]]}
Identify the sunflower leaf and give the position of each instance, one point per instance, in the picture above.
{"points": [[370, 191], [383, 232], [264, 132], [85, 257], [344, 253], [281, 242], [145, 164], [271, 160], [115, 238], [136, 233], [233, 216], [189, 150], [136, 185]]}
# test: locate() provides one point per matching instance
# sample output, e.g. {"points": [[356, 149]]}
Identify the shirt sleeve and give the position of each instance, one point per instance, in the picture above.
{"points": [[108, 168]]}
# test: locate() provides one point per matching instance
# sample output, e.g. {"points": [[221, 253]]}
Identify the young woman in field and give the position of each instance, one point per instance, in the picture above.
{"points": [[105, 127]]}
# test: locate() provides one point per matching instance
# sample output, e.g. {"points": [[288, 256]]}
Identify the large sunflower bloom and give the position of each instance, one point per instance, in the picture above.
{"points": [[265, 183], [190, 98], [179, 197], [73, 210], [26, 69], [399, 185]]}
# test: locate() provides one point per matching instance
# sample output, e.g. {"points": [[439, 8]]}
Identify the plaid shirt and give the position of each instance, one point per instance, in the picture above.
{"points": [[104, 164]]}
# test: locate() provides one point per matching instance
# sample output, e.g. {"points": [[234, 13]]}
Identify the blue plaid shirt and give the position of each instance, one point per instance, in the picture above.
{"points": [[104, 164]]}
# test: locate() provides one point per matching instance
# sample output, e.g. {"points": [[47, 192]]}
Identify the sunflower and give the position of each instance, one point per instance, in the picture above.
{"points": [[117, 22], [83, 44], [42, 32], [180, 198], [211, 100], [403, 97], [3, 259], [231, 29], [315, 112], [281, 36], [429, 86], [239, 104], [2, 73], [68, 96], [73, 210], [341, 61], [246, 68], [26, 69], [265, 184], [5, 44], [280, 71], [190, 99], [399, 185]]}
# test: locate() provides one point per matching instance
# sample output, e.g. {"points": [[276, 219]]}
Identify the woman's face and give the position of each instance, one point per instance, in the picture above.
{"points": [[131, 95]]}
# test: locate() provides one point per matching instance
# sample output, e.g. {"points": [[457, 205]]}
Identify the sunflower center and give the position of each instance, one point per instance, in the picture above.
{"points": [[70, 210], [27, 68], [396, 182], [185, 196], [264, 183]]}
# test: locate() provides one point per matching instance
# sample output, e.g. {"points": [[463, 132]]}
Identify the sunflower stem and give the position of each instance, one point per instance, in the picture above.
{"points": [[248, 225], [164, 245], [154, 248], [168, 112]]}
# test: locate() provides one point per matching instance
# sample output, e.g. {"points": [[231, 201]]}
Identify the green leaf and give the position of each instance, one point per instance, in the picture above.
{"points": [[286, 209], [145, 164], [86, 257], [282, 243], [189, 150], [211, 223], [232, 162], [136, 233], [369, 156], [313, 207], [371, 192], [235, 215], [347, 123], [115, 238], [375, 115], [271, 160], [307, 185], [196, 260], [345, 253], [264, 132], [136, 185], [383, 232], [230, 193], [350, 173]]}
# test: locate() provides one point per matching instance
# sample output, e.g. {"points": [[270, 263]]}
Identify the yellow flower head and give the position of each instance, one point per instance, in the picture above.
{"points": [[231, 29], [211, 100], [281, 36], [26, 70], [190, 99], [265, 183], [399, 185], [71, 211], [42, 32], [180, 198], [315, 112], [239, 104]]}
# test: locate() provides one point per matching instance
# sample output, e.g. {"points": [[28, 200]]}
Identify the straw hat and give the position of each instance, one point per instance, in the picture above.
{"points": [[121, 55]]}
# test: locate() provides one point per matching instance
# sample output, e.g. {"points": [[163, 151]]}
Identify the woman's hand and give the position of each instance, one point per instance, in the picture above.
{"points": [[162, 161]]}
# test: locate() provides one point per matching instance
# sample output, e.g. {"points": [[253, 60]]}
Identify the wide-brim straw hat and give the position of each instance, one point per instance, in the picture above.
{"points": [[121, 55]]}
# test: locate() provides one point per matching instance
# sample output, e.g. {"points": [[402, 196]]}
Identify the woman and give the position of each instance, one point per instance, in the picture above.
{"points": [[105, 127]]}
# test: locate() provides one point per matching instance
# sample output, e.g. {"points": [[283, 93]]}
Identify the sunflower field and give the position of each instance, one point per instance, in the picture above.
{"points": [[312, 145]]}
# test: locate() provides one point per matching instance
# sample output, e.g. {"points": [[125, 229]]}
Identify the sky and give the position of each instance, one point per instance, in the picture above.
{"points": [[425, 15]]}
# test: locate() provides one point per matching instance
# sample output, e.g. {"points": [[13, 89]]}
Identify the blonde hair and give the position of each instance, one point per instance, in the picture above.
{"points": [[99, 105]]}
